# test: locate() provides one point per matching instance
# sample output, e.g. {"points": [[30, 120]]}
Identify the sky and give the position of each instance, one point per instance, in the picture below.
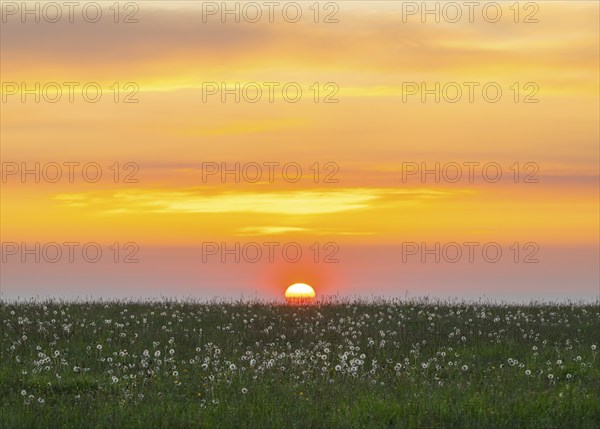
{"points": [[368, 150]]}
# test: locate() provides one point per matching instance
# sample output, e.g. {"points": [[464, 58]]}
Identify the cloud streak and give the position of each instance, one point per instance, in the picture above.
{"points": [[291, 203]]}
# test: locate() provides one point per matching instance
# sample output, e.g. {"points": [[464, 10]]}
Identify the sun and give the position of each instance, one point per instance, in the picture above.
{"points": [[299, 294]]}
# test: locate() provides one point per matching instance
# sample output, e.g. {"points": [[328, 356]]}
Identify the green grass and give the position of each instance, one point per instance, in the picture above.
{"points": [[338, 365]]}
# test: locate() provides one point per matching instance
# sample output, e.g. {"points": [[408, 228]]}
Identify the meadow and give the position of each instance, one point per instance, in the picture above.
{"points": [[377, 364]]}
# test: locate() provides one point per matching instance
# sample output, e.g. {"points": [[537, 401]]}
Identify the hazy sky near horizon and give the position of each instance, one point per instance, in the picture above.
{"points": [[355, 163]]}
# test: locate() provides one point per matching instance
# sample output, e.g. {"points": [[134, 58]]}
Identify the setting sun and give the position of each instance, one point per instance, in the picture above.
{"points": [[299, 293]]}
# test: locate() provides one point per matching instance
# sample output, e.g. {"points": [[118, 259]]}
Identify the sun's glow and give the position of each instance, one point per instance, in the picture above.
{"points": [[299, 293]]}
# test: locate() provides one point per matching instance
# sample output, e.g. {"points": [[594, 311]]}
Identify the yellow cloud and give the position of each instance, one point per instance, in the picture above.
{"points": [[269, 230], [304, 202]]}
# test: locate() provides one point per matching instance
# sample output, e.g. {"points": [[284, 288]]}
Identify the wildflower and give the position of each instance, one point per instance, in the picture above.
{"points": [[528, 372], [244, 390], [465, 367], [99, 346]]}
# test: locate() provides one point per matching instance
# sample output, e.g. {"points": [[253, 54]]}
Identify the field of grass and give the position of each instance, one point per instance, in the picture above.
{"points": [[337, 365]]}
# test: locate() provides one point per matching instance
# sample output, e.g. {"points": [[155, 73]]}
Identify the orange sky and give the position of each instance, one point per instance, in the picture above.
{"points": [[368, 136]]}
